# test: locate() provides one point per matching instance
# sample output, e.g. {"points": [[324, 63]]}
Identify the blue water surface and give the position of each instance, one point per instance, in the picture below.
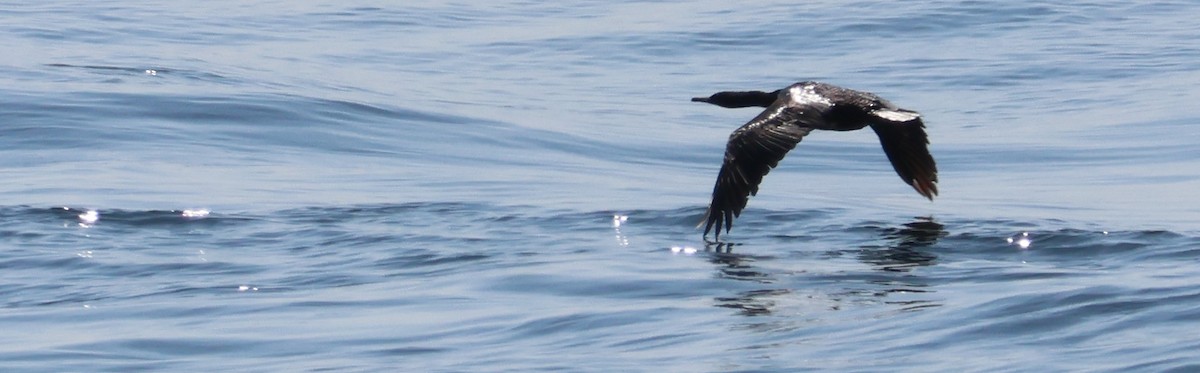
{"points": [[514, 186]]}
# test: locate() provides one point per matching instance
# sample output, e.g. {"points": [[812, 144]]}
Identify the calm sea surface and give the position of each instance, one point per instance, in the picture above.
{"points": [[307, 186]]}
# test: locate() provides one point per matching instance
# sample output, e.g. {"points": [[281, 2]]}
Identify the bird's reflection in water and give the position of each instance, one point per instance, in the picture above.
{"points": [[902, 250], [719, 247], [739, 267], [905, 246], [754, 302]]}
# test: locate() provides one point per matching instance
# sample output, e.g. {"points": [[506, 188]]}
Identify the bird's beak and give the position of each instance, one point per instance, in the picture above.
{"points": [[700, 99]]}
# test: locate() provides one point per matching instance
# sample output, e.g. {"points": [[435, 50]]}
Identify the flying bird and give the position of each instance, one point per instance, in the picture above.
{"points": [[791, 113]]}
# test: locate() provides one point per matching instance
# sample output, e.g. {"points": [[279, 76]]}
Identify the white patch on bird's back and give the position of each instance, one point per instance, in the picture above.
{"points": [[896, 115], [806, 95]]}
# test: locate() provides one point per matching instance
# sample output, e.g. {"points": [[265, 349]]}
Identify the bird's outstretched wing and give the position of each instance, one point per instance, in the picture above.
{"points": [[902, 134], [752, 151]]}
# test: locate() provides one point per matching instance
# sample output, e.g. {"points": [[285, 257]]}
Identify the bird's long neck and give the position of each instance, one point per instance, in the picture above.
{"points": [[745, 99]]}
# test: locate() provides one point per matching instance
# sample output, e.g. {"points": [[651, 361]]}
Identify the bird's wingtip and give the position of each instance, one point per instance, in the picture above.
{"points": [[926, 189]]}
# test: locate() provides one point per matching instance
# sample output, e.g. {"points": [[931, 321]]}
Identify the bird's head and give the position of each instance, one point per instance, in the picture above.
{"points": [[740, 99]]}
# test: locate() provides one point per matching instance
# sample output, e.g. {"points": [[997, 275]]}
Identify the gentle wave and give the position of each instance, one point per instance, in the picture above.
{"points": [[924, 273]]}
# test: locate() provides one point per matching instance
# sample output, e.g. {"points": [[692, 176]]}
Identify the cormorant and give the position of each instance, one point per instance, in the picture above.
{"points": [[757, 146]]}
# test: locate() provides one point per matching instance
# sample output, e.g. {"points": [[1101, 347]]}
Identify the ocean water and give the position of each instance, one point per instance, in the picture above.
{"points": [[514, 186]]}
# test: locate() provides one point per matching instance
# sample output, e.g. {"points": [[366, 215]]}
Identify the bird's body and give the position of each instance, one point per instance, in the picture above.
{"points": [[791, 113]]}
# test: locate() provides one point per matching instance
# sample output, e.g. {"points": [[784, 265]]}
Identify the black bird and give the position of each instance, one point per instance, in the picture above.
{"points": [[758, 146]]}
